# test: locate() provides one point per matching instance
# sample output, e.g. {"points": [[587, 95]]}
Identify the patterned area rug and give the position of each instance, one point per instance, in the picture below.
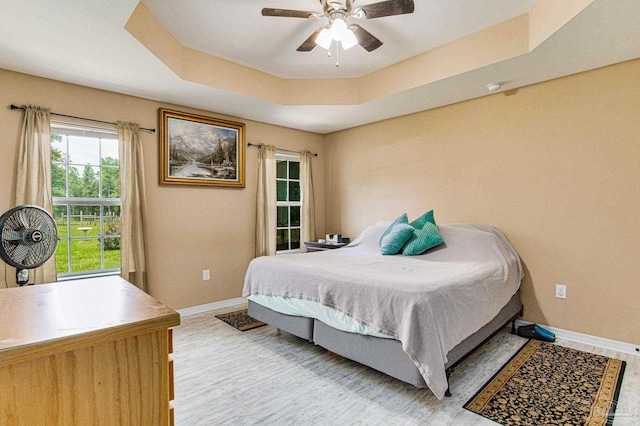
{"points": [[240, 320], [545, 384]]}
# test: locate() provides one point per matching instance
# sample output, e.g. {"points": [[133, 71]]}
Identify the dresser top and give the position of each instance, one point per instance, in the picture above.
{"points": [[57, 314]]}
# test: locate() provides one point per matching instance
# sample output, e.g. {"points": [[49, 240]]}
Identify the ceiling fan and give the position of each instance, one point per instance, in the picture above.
{"points": [[339, 29]]}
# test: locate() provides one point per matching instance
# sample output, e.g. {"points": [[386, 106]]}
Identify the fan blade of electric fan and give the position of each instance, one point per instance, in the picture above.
{"points": [[13, 222], [287, 13], [365, 38], [19, 253], [309, 43], [11, 236], [388, 8], [24, 220], [43, 226], [36, 254], [35, 217]]}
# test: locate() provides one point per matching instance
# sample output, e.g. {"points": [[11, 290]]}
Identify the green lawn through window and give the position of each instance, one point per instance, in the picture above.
{"points": [[85, 250]]}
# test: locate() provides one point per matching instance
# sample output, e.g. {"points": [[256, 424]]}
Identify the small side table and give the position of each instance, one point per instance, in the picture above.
{"points": [[313, 246]]}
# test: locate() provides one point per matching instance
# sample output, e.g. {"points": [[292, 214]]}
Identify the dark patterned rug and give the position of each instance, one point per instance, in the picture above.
{"points": [[546, 384], [240, 320]]}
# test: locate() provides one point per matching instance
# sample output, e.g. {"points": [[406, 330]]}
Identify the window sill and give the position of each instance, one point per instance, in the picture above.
{"points": [[296, 251], [85, 276]]}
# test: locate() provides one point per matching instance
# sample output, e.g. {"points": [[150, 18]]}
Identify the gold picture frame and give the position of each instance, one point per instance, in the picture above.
{"points": [[199, 150]]}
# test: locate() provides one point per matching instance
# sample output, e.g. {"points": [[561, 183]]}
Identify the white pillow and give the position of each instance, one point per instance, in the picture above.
{"points": [[370, 237], [384, 223]]}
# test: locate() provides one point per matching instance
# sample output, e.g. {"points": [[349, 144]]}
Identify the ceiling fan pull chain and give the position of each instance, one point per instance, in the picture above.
{"points": [[337, 55]]}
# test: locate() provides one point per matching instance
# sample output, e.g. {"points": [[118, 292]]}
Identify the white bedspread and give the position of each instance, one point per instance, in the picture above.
{"points": [[430, 303]]}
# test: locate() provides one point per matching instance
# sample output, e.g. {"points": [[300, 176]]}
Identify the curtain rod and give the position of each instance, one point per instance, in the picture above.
{"points": [[279, 149], [83, 118]]}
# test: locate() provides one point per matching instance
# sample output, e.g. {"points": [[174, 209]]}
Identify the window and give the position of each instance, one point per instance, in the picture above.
{"points": [[288, 202], [86, 199]]}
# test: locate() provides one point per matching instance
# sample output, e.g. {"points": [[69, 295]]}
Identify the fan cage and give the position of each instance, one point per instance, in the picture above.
{"points": [[28, 236]]}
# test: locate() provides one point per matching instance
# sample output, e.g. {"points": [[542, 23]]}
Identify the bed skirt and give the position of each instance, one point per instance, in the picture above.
{"points": [[385, 355]]}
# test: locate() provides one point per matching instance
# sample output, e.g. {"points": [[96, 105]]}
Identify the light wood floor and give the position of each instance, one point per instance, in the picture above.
{"points": [[263, 376]]}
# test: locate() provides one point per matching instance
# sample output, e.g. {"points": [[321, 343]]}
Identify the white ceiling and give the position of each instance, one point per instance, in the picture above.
{"points": [[84, 42], [236, 30]]}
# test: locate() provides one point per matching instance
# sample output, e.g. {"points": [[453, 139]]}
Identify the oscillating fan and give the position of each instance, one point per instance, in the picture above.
{"points": [[28, 238]]}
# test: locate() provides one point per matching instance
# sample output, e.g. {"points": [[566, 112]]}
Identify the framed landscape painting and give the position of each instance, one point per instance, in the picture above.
{"points": [[197, 150]]}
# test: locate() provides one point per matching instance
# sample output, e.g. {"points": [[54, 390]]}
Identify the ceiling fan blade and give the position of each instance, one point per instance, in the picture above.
{"points": [[309, 43], [365, 38], [388, 8], [287, 13]]}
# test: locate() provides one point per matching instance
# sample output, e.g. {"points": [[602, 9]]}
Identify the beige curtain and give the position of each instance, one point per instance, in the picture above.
{"points": [[33, 178], [266, 202], [133, 256], [308, 215]]}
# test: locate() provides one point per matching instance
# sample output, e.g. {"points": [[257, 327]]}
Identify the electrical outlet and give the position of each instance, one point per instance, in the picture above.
{"points": [[561, 291], [206, 276]]}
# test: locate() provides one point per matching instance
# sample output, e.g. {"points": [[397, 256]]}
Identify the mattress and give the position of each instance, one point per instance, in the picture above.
{"points": [[430, 303]]}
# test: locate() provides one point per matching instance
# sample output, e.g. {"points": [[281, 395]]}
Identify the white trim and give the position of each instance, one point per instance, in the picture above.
{"points": [[83, 130], [192, 310], [587, 339], [84, 275], [287, 156], [292, 251]]}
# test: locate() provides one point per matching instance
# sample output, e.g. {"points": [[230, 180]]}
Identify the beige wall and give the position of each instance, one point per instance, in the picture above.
{"points": [[191, 228], [556, 166]]}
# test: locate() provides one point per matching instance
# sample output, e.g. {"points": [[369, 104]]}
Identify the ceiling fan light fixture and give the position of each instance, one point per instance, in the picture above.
{"points": [[339, 29], [324, 39], [349, 40]]}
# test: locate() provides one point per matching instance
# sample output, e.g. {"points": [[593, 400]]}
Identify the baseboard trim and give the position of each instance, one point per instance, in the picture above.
{"points": [[587, 339], [211, 306]]}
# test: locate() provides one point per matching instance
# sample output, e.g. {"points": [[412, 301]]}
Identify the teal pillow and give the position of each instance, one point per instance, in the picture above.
{"points": [[427, 217], [422, 240], [395, 239], [402, 219]]}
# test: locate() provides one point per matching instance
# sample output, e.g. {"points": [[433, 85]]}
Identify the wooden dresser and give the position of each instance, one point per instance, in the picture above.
{"points": [[85, 352]]}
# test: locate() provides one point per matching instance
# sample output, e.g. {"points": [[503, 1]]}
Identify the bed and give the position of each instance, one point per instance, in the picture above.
{"points": [[411, 317]]}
